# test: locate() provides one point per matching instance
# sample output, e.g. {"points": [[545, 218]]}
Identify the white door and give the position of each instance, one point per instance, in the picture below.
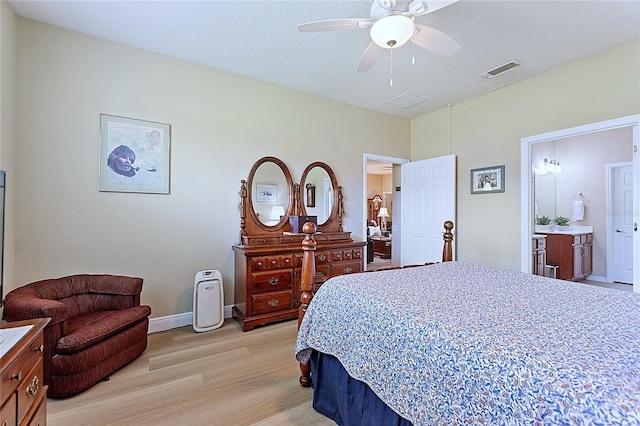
{"points": [[428, 197], [623, 224]]}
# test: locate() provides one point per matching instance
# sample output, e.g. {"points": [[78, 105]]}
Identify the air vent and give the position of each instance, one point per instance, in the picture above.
{"points": [[406, 100], [500, 70]]}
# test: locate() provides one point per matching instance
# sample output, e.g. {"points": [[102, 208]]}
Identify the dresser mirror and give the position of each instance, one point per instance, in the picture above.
{"points": [[319, 196], [269, 196]]}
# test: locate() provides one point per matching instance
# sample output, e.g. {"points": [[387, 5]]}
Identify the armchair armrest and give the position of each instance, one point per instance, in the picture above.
{"points": [[26, 306]]}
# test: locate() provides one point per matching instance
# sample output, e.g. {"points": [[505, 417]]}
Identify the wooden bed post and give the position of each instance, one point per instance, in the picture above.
{"points": [[306, 286], [447, 249]]}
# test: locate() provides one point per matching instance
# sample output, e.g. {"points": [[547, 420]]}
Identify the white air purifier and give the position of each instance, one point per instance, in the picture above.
{"points": [[208, 301]]}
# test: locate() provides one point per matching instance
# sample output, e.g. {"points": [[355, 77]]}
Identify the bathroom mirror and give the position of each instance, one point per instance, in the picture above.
{"points": [[545, 195], [544, 181], [318, 192], [270, 193]]}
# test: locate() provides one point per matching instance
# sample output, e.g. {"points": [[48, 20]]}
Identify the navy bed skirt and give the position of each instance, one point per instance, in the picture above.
{"points": [[345, 400]]}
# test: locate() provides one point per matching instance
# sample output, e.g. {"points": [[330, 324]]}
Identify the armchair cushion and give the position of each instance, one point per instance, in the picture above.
{"points": [[88, 329]]}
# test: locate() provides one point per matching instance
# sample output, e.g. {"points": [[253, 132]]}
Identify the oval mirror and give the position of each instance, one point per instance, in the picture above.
{"points": [[270, 192], [318, 192]]}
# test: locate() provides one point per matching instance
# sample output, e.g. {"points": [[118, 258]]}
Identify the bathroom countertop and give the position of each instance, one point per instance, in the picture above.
{"points": [[564, 230]]}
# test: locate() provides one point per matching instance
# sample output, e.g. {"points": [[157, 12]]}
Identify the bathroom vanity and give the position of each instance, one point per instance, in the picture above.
{"points": [[571, 249]]}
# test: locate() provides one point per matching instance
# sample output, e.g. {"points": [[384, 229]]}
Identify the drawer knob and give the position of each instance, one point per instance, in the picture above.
{"points": [[322, 258], [32, 389], [259, 263], [273, 281], [39, 349], [17, 376], [273, 303]]}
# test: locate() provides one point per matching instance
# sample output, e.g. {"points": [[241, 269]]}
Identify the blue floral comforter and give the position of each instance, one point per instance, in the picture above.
{"points": [[463, 343]]}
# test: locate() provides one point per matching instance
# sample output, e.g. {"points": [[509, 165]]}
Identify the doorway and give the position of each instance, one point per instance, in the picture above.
{"points": [[392, 168], [527, 189]]}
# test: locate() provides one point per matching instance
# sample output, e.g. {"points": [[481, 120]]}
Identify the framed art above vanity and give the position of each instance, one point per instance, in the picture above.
{"points": [[268, 257]]}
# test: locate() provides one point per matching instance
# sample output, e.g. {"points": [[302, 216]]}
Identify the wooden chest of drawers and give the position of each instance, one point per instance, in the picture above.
{"points": [[267, 277], [24, 395]]}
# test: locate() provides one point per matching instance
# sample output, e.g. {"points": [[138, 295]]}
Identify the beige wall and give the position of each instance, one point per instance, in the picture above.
{"points": [[487, 130], [8, 75], [221, 124]]}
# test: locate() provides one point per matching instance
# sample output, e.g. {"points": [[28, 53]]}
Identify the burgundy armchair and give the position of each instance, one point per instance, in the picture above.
{"points": [[97, 326]]}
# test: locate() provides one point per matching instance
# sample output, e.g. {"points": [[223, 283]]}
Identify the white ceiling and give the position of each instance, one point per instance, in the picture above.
{"points": [[259, 39]]}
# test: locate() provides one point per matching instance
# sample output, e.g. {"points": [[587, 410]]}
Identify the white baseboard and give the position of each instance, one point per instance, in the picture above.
{"points": [[177, 320]]}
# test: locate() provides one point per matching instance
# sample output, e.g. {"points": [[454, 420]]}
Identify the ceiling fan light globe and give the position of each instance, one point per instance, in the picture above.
{"points": [[392, 31]]}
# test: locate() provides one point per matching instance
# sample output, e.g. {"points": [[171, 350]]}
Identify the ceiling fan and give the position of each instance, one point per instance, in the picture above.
{"points": [[392, 25]]}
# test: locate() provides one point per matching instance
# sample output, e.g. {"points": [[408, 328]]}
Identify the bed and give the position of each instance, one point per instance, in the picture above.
{"points": [[461, 343]]}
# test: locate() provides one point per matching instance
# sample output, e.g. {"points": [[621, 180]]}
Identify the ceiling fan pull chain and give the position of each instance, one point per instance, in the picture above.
{"points": [[391, 68], [413, 54]]}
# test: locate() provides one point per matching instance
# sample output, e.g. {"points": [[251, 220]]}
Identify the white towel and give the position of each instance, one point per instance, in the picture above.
{"points": [[578, 210]]}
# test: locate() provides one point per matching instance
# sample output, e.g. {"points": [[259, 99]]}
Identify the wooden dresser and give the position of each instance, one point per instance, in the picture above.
{"points": [[24, 395], [268, 256], [268, 273]]}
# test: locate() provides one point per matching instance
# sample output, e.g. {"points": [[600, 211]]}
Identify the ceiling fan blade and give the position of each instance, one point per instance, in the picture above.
{"points": [[369, 57], [336, 25], [435, 41]]}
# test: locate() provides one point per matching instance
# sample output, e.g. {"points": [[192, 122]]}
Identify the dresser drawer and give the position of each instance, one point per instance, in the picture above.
{"points": [[270, 281], [322, 258], [271, 262], [8, 411], [22, 365], [39, 415], [271, 302], [342, 268], [30, 389]]}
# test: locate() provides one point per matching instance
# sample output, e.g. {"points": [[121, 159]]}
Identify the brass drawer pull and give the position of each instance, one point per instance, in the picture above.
{"points": [[273, 281], [347, 255], [32, 389], [259, 264], [322, 258], [347, 270], [273, 303], [17, 376], [274, 262], [39, 349]]}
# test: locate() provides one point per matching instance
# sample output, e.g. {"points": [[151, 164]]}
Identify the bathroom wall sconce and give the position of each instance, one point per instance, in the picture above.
{"points": [[552, 166], [549, 166]]}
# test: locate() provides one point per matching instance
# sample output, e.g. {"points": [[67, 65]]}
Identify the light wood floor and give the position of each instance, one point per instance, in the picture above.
{"points": [[220, 377]]}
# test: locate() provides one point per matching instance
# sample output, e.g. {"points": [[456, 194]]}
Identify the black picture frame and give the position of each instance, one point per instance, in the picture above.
{"points": [[311, 195]]}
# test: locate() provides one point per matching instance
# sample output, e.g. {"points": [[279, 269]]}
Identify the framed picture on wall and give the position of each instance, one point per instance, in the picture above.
{"points": [[487, 180], [134, 155], [266, 192], [311, 195]]}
